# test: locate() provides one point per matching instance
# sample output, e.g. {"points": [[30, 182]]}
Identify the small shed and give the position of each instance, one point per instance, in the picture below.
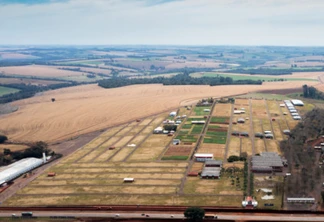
{"points": [[128, 180], [268, 136], [213, 163], [245, 134], [51, 174], [286, 132], [176, 142], [112, 148], [202, 157], [241, 120]]}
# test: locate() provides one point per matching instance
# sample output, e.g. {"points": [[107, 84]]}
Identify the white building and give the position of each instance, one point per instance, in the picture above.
{"points": [[202, 157], [174, 113], [297, 102], [18, 168]]}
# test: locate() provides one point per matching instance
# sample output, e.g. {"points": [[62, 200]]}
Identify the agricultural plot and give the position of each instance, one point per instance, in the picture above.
{"points": [[201, 111], [96, 171], [7, 90]]}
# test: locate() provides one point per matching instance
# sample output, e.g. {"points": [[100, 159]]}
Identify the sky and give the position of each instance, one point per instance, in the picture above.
{"points": [[162, 22]]}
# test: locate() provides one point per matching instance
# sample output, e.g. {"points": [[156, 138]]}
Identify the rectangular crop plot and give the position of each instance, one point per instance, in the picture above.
{"points": [[146, 153], [217, 149], [187, 138], [259, 145], [220, 120], [222, 109], [234, 147], [200, 111], [197, 129], [178, 153], [215, 139]]}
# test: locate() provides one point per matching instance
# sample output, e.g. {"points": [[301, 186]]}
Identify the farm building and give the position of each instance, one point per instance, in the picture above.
{"points": [[282, 105], [129, 180], [245, 134], [51, 174], [267, 132], [202, 157], [198, 122], [238, 111], [176, 141], [241, 120], [296, 117], [174, 113], [213, 163], [259, 135], [206, 110], [297, 102], [268, 136], [158, 130], [210, 173], [267, 162], [18, 168], [235, 133], [249, 202], [293, 111], [295, 114], [286, 132], [300, 200]]}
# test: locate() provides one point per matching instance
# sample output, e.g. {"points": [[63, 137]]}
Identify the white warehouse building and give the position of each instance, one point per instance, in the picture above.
{"points": [[18, 168]]}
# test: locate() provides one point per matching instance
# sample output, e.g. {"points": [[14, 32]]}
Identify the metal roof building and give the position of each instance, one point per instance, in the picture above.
{"points": [[18, 168], [297, 102], [267, 162]]}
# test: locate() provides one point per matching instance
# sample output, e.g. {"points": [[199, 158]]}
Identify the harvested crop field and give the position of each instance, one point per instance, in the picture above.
{"points": [[38, 70], [28, 81], [83, 109]]}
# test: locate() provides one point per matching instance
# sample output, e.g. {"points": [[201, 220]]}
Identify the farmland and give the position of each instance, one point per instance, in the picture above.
{"points": [[95, 172], [7, 90], [84, 109]]}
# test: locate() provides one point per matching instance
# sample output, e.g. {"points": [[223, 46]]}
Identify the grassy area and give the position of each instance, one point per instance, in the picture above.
{"points": [[217, 140], [213, 133], [199, 111], [186, 126], [216, 119], [195, 119], [183, 132], [197, 129], [7, 90], [175, 158], [251, 77], [187, 138]]}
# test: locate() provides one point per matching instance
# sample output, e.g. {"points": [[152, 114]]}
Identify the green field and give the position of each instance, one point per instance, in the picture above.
{"points": [[175, 158], [7, 90], [217, 140], [216, 119], [197, 129], [187, 138], [199, 111], [250, 77]]}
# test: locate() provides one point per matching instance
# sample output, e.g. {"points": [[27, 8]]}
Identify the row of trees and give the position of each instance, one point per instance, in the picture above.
{"points": [[180, 79]]}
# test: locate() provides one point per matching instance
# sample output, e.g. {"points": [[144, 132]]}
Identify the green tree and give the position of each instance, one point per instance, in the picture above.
{"points": [[305, 91], [6, 151], [194, 213], [3, 138]]}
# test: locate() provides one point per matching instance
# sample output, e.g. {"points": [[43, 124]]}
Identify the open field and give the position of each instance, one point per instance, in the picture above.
{"points": [[28, 81], [84, 109], [7, 90], [12, 147], [11, 55], [38, 70]]}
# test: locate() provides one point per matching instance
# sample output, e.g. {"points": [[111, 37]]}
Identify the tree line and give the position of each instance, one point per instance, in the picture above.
{"points": [[181, 79], [263, 71], [27, 91], [35, 150], [312, 93], [302, 159]]}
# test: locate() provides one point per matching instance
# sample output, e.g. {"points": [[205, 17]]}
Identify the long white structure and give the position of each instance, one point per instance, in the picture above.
{"points": [[18, 168]]}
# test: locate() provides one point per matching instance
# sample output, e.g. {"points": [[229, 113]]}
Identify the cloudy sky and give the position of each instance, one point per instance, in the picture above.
{"points": [[184, 22]]}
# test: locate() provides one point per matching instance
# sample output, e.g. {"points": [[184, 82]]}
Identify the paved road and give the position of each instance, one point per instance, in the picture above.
{"points": [[224, 216]]}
